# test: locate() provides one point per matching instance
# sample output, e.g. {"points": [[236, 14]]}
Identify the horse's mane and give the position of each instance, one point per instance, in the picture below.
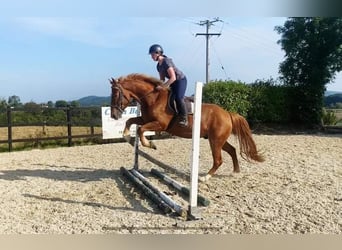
{"points": [[141, 77]]}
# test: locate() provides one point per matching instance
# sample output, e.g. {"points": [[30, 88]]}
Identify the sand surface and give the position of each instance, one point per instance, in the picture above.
{"points": [[80, 190]]}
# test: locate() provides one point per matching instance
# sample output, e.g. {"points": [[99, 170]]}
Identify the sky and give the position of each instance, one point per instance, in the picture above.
{"points": [[49, 56]]}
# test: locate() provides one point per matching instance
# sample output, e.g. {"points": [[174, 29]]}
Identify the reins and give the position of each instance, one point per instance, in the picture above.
{"points": [[119, 106], [146, 95]]}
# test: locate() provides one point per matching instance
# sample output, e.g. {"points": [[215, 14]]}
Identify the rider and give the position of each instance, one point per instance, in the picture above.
{"points": [[176, 80]]}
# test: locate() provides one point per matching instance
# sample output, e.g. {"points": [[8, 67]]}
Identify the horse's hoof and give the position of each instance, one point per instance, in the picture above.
{"points": [[129, 139], [205, 178], [132, 141], [152, 145], [201, 179]]}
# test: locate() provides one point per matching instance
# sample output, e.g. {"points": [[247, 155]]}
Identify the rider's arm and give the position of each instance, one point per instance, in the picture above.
{"points": [[161, 76], [171, 72]]}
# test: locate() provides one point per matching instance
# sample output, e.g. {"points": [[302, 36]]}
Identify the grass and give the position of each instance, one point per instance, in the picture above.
{"points": [[338, 114]]}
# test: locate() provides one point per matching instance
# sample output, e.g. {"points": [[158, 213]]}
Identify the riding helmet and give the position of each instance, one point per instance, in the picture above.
{"points": [[156, 48]]}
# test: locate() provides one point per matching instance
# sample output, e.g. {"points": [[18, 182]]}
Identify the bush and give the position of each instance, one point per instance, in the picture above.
{"points": [[232, 96], [262, 101], [329, 118], [268, 102]]}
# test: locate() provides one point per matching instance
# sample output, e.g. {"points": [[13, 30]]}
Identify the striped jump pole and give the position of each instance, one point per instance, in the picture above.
{"points": [[164, 202], [172, 204], [181, 188], [147, 191]]}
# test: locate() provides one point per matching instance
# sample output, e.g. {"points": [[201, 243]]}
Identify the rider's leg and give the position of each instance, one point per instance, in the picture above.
{"points": [[182, 112], [178, 89]]}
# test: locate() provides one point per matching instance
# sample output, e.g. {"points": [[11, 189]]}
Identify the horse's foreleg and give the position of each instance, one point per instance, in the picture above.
{"points": [[150, 126], [126, 133]]}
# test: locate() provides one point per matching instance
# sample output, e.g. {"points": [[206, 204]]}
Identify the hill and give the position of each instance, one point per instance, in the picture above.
{"points": [[90, 101], [332, 100], [330, 92]]}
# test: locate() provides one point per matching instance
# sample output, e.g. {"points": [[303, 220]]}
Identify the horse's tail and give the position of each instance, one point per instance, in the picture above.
{"points": [[241, 129]]}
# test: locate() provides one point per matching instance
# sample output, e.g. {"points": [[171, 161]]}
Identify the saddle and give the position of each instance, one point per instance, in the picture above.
{"points": [[188, 100]]}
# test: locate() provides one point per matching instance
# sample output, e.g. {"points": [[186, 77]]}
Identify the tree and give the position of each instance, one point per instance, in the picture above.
{"points": [[75, 104], [14, 101], [32, 106], [50, 104], [61, 104], [3, 104], [313, 56]]}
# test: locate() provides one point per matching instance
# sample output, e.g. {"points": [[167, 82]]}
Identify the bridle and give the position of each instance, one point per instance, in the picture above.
{"points": [[119, 105]]}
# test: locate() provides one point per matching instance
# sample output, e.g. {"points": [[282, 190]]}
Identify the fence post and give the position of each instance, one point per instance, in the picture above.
{"points": [[9, 127], [69, 126]]}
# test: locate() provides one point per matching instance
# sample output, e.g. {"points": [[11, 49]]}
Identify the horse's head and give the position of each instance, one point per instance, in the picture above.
{"points": [[138, 87], [119, 100]]}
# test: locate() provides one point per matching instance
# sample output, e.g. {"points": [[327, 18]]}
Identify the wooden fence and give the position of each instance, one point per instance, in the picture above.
{"points": [[72, 118], [10, 123]]}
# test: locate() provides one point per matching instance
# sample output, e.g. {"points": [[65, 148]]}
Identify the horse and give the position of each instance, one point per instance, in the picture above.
{"points": [[217, 124]]}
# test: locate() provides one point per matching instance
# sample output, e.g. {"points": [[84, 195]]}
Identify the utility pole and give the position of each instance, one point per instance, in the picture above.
{"points": [[207, 35]]}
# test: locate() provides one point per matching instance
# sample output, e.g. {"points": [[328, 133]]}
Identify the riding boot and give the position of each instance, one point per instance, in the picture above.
{"points": [[183, 116], [183, 121]]}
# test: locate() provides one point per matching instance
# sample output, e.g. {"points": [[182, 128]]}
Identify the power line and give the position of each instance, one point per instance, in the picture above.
{"points": [[254, 38], [208, 23], [222, 67]]}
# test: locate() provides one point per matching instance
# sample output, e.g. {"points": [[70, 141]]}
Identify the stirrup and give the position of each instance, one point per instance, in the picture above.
{"points": [[183, 122]]}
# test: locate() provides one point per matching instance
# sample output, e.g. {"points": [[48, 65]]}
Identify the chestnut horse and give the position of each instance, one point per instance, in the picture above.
{"points": [[216, 123]]}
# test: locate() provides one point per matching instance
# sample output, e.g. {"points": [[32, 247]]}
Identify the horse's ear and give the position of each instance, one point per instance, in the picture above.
{"points": [[112, 80]]}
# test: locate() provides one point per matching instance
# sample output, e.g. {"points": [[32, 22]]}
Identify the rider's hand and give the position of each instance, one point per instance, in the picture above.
{"points": [[158, 88]]}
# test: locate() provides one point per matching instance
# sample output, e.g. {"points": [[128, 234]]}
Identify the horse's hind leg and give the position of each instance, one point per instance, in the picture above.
{"points": [[232, 152], [217, 158]]}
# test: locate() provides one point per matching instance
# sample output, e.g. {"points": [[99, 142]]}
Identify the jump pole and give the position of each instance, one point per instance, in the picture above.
{"points": [[193, 210], [146, 190], [172, 204], [164, 202], [194, 162], [181, 188]]}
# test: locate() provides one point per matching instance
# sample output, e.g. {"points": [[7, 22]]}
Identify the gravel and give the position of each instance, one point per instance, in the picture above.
{"points": [[80, 190]]}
